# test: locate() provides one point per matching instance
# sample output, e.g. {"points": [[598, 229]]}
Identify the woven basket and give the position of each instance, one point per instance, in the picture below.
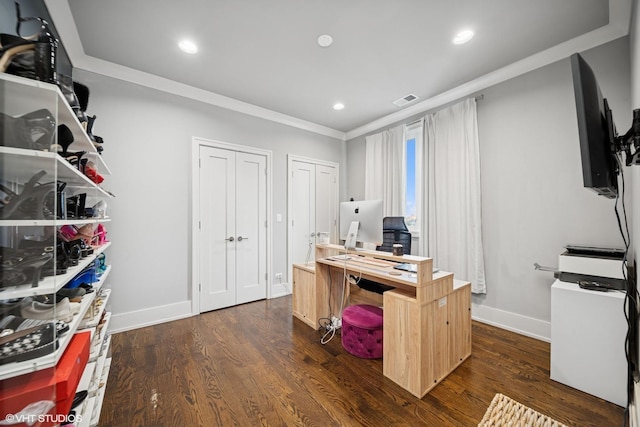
{"points": [[505, 411]]}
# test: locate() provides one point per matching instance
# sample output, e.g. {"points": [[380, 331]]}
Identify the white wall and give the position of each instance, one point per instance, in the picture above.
{"points": [[147, 145], [533, 200]]}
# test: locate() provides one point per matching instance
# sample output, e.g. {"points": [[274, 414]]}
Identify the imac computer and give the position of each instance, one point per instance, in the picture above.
{"points": [[361, 222]]}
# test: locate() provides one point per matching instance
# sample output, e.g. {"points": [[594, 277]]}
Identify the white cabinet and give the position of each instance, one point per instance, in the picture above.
{"points": [[39, 220], [588, 331]]}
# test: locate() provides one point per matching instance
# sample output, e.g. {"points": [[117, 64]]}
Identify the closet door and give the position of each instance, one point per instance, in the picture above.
{"points": [[326, 194], [303, 211], [232, 228], [313, 207], [251, 228]]}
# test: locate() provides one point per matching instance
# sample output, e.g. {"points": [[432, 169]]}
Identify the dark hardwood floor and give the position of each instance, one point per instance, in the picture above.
{"points": [[256, 365]]}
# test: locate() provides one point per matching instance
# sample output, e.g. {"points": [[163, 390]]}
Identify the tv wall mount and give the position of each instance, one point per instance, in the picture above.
{"points": [[629, 143]]}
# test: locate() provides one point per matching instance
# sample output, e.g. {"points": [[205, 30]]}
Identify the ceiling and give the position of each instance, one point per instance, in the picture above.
{"points": [[265, 53]]}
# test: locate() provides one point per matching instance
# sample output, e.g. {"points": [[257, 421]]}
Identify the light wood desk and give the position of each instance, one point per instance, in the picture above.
{"points": [[427, 317]]}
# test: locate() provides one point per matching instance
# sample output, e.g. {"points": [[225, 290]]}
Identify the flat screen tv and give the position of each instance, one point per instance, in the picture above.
{"points": [[596, 131]]}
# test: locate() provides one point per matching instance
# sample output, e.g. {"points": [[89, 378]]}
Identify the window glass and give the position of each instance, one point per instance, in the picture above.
{"points": [[410, 213], [413, 174]]}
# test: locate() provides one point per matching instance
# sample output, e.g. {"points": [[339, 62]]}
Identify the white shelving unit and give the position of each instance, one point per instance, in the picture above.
{"points": [[17, 165]]}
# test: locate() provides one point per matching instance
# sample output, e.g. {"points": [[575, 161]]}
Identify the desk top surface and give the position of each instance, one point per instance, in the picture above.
{"points": [[377, 268]]}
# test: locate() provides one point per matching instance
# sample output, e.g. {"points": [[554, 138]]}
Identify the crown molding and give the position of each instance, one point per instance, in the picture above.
{"points": [[68, 32], [619, 22]]}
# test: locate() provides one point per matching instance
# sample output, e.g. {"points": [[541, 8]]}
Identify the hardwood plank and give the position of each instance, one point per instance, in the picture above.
{"points": [[255, 364]]}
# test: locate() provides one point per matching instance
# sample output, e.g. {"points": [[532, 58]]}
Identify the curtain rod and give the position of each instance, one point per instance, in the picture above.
{"points": [[414, 122], [477, 98]]}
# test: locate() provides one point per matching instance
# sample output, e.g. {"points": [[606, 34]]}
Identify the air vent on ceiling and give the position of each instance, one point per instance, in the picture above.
{"points": [[405, 100]]}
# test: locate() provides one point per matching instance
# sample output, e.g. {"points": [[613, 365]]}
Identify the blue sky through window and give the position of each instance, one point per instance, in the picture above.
{"points": [[410, 196]]}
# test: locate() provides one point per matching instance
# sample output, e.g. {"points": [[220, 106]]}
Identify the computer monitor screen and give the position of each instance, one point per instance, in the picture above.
{"points": [[369, 214]]}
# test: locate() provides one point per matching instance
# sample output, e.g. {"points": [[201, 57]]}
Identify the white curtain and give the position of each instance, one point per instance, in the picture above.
{"points": [[452, 230], [384, 170]]}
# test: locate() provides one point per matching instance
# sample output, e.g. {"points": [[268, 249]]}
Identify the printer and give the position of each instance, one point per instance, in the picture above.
{"points": [[602, 266]]}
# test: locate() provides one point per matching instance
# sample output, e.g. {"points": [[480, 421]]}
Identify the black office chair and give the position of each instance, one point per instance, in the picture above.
{"points": [[394, 230]]}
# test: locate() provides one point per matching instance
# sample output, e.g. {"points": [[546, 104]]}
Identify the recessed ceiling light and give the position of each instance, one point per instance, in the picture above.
{"points": [[338, 106], [463, 37], [188, 46], [325, 40]]}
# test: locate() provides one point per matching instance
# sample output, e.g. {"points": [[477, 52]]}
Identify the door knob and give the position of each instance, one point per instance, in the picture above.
{"points": [[313, 234], [240, 238], [230, 239]]}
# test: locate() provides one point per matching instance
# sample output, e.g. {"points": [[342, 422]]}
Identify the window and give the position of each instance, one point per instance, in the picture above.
{"points": [[413, 173]]}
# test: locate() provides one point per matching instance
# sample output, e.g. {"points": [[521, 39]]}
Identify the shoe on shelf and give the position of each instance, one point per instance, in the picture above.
{"points": [[12, 324], [60, 311], [33, 57], [71, 293], [28, 344], [32, 131]]}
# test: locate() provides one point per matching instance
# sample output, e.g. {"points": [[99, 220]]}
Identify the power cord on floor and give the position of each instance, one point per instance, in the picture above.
{"points": [[331, 324], [329, 327]]}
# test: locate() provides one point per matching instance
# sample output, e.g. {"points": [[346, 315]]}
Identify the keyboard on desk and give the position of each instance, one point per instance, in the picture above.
{"points": [[372, 262], [411, 268], [361, 260]]}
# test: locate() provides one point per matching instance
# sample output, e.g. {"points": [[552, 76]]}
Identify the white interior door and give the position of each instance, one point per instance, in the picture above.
{"points": [[313, 206], [303, 200], [217, 228], [232, 222], [251, 228], [326, 194]]}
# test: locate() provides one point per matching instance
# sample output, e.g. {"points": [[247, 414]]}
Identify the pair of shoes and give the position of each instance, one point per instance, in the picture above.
{"points": [[74, 294], [11, 324], [99, 236], [101, 264], [64, 310], [60, 261], [84, 279], [19, 268], [34, 202], [75, 205], [70, 234], [31, 57], [32, 131], [89, 169], [28, 344]]}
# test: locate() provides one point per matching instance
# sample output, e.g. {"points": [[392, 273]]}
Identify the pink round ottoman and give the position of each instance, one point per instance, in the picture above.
{"points": [[362, 331]]}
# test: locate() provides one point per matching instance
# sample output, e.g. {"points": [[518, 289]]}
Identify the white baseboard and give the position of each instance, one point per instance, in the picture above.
{"points": [[517, 323], [149, 316], [523, 325]]}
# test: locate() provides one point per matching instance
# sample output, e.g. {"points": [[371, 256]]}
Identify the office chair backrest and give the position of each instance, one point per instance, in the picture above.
{"points": [[394, 230]]}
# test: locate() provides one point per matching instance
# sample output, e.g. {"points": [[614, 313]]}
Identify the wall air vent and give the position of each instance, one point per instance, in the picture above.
{"points": [[405, 100]]}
